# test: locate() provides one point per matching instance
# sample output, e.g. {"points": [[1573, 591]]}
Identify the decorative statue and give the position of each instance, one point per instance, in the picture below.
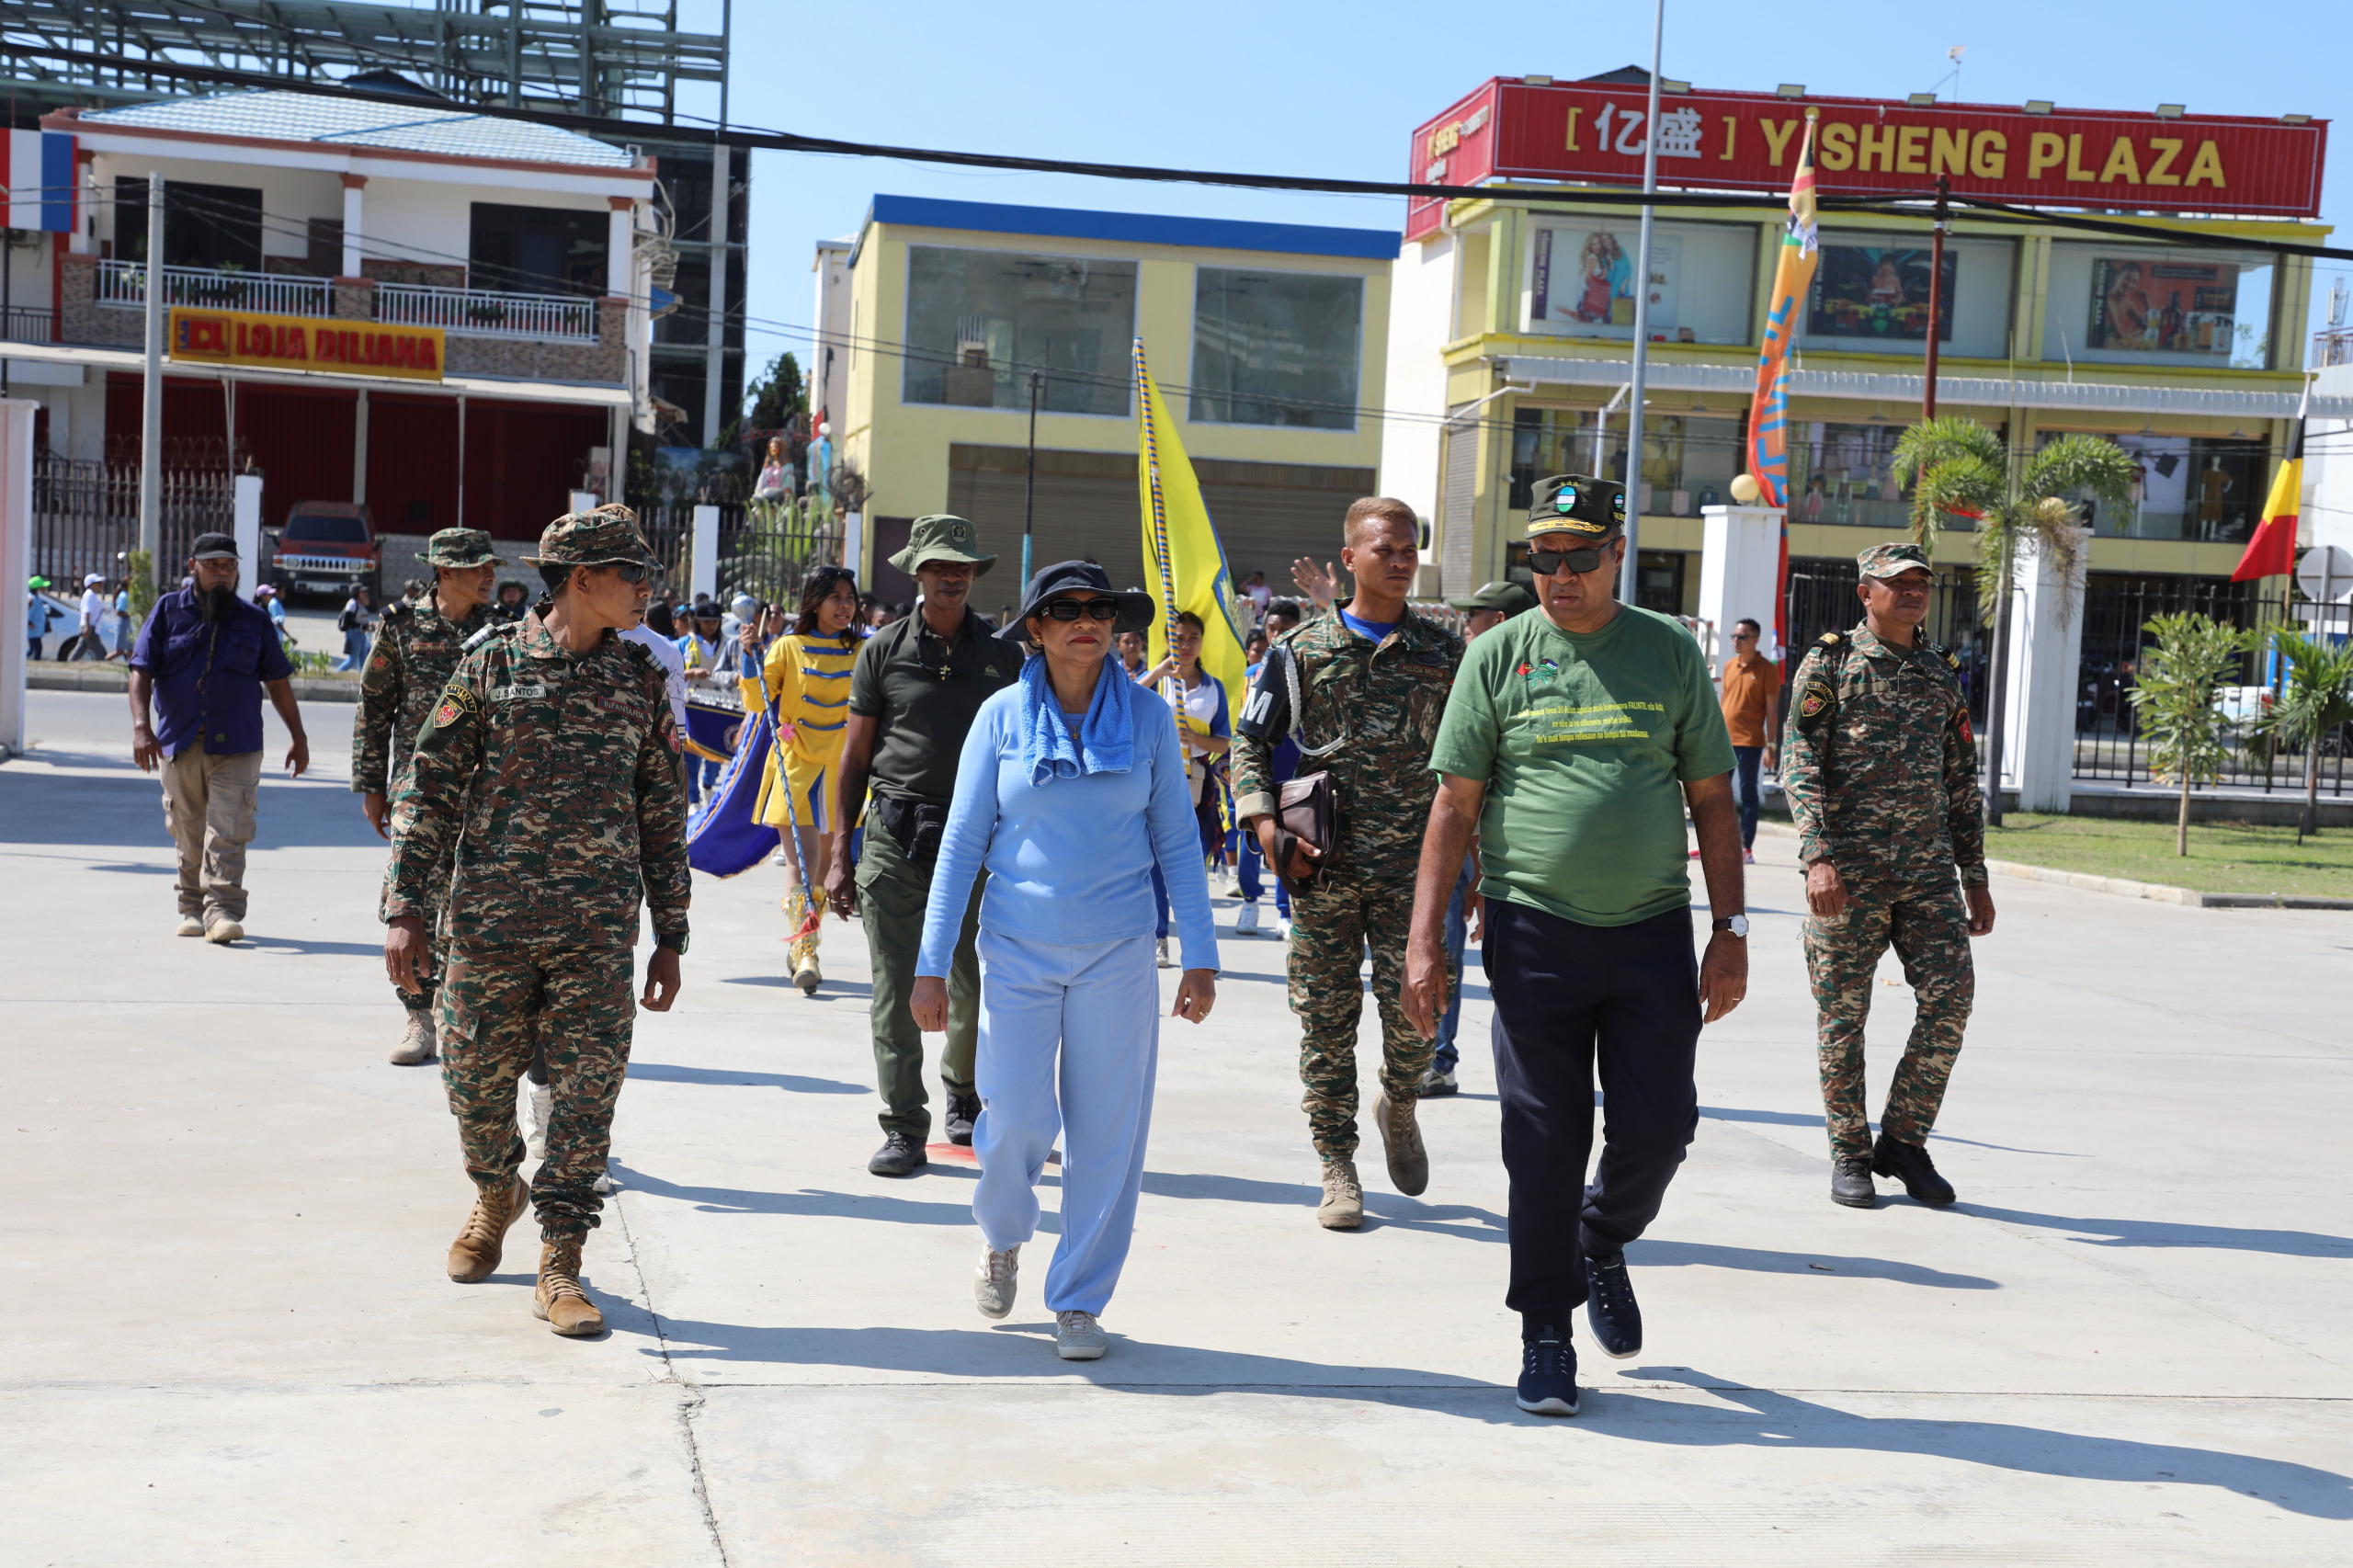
{"points": [[776, 482], [821, 462]]}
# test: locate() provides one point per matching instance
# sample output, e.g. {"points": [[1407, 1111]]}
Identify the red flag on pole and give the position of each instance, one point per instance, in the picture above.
{"points": [[2273, 551]]}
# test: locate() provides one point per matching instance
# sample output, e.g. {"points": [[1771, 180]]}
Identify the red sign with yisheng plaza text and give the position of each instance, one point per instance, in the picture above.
{"points": [[1718, 141]]}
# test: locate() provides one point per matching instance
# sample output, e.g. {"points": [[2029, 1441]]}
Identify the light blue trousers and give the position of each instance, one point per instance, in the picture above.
{"points": [[1070, 1042]]}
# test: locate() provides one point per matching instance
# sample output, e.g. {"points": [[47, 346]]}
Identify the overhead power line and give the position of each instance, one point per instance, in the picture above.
{"points": [[609, 127]]}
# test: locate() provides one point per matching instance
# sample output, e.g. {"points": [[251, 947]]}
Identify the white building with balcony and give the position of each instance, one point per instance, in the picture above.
{"points": [[362, 222]]}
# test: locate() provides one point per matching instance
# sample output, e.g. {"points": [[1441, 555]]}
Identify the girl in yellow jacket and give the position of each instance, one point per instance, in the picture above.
{"points": [[808, 671]]}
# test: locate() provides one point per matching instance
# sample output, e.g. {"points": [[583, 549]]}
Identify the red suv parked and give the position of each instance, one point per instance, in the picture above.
{"points": [[325, 548]]}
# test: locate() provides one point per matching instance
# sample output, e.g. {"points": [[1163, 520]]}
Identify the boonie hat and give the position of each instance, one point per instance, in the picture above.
{"points": [[605, 536], [211, 547], [1508, 598], [1136, 607], [943, 538], [1593, 509], [1892, 560], [461, 547]]}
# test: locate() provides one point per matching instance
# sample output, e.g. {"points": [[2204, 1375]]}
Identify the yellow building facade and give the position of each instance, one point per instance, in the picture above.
{"points": [[1269, 342]]}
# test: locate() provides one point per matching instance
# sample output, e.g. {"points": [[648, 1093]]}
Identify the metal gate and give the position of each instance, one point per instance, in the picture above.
{"points": [[85, 517], [764, 551], [1822, 598]]}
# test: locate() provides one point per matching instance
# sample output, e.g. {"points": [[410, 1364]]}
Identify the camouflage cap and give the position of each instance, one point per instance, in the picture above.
{"points": [[942, 538], [1892, 560], [605, 536], [1508, 598], [1592, 509], [461, 547]]}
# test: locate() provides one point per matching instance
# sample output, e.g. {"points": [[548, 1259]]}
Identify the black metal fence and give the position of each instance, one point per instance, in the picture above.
{"points": [[2109, 746], [765, 551], [85, 517], [1822, 598]]}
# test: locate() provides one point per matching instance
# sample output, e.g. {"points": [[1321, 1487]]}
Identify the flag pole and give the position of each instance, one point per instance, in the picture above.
{"points": [[1629, 573]]}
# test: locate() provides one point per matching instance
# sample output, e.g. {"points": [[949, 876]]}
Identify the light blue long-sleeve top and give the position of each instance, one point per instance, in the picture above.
{"points": [[1069, 861]]}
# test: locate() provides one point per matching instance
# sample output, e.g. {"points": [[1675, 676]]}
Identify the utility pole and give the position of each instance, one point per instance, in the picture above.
{"points": [[150, 407], [1935, 291], [1629, 574], [1030, 484], [715, 319]]}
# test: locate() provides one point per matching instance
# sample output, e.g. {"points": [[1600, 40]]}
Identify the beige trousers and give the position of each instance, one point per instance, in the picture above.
{"points": [[209, 806]]}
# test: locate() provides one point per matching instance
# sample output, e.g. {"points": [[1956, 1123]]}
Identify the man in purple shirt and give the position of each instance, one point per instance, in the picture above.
{"points": [[204, 659]]}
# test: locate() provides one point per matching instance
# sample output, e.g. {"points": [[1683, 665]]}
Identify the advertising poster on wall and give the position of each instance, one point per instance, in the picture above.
{"points": [[2164, 307], [1879, 292], [1585, 278]]}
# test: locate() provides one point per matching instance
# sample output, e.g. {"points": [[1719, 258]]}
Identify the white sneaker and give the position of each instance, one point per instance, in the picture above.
{"points": [[1246, 923], [535, 1123], [993, 1279], [1748, 857], [1160, 951], [1078, 1337], [1282, 925]]}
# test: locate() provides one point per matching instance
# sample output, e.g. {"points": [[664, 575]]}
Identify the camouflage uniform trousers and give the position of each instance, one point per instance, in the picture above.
{"points": [[1331, 928], [498, 1004], [1929, 929]]}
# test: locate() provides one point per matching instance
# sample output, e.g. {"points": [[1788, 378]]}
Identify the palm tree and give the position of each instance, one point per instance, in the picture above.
{"points": [[2315, 701], [1957, 467]]}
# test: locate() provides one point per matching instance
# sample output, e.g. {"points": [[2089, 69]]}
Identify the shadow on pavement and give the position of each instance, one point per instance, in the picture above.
{"points": [[2170, 1233], [809, 1203], [127, 810], [1387, 1208], [791, 1082], [1704, 1254], [1781, 1421]]}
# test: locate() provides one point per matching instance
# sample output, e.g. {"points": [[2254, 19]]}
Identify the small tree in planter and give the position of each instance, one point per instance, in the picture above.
{"points": [[2174, 694], [2315, 700]]}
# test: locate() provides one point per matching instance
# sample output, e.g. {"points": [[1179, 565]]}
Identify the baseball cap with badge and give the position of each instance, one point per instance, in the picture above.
{"points": [[605, 536], [1892, 560], [1592, 509], [460, 548], [942, 538]]}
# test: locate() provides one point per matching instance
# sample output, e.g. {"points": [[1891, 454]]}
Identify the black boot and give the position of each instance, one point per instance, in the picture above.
{"points": [[1909, 1164], [963, 1110], [901, 1155], [1850, 1183]]}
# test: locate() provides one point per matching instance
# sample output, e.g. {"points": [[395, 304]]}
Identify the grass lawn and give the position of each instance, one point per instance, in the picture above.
{"points": [[2225, 857]]}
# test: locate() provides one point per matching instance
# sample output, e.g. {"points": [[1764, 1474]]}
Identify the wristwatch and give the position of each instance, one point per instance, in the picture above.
{"points": [[1735, 923]]}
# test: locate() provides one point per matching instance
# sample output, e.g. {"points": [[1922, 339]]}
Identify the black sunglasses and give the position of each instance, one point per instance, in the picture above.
{"points": [[1071, 609], [632, 572], [1583, 559]]}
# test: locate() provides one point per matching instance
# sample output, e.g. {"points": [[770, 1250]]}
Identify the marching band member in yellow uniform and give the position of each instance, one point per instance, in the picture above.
{"points": [[807, 672]]}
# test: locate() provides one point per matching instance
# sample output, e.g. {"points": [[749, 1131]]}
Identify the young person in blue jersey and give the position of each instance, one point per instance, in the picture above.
{"points": [[1070, 787], [1573, 740]]}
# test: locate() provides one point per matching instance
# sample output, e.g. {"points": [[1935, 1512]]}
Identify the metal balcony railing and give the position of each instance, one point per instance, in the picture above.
{"points": [[122, 285], [481, 313], [23, 323]]}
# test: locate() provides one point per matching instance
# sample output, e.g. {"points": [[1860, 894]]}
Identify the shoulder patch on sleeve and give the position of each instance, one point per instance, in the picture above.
{"points": [[458, 701]]}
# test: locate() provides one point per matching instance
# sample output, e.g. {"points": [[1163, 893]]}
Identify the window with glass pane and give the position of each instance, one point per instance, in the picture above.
{"points": [[1276, 347], [980, 322], [1845, 473], [1687, 461]]}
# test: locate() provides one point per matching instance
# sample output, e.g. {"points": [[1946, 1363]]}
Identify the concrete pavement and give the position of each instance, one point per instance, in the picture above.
{"points": [[229, 1339]]}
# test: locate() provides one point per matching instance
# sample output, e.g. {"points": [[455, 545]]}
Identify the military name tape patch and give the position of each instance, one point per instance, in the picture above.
{"points": [[509, 693]]}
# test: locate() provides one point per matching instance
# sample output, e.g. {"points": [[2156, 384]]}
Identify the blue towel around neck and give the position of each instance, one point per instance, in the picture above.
{"points": [[1106, 738]]}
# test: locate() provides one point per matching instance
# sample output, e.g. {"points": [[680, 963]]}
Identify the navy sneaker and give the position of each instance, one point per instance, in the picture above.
{"points": [[1609, 1307], [1548, 1371]]}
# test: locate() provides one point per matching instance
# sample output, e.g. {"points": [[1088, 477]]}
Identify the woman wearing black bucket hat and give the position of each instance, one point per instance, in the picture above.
{"points": [[1070, 787]]}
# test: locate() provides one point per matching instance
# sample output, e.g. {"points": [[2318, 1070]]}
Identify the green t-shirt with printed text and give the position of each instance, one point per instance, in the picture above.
{"points": [[1585, 741]]}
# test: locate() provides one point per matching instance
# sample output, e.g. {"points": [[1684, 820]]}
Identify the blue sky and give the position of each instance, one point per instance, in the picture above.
{"points": [[1332, 89]]}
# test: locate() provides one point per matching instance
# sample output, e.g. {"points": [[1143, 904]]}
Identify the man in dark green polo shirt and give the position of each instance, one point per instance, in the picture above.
{"points": [[912, 698]]}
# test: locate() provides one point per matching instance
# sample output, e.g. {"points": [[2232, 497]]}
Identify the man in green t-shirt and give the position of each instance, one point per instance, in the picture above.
{"points": [[1573, 741]]}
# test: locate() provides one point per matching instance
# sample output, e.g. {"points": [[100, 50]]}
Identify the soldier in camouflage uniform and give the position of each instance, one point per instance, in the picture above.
{"points": [[1373, 680], [1880, 773], [417, 648], [548, 775]]}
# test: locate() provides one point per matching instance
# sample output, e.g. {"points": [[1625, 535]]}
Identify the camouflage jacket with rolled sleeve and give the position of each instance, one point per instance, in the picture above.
{"points": [[1382, 705], [415, 652], [1879, 765], [553, 780]]}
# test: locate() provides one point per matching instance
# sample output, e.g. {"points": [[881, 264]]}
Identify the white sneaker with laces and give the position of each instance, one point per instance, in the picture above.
{"points": [[995, 1279], [1078, 1337], [1282, 925], [1246, 923], [1160, 952]]}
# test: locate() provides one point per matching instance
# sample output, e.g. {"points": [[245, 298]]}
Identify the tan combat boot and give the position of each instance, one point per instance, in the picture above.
{"points": [[560, 1301], [1342, 1197], [477, 1249], [1401, 1140], [416, 1044]]}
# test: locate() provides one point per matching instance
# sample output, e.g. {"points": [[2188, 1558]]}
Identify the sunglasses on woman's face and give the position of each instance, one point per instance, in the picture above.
{"points": [[1071, 609], [1545, 563]]}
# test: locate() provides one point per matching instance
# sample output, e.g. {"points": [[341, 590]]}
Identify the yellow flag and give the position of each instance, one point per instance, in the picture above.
{"points": [[1183, 566]]}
